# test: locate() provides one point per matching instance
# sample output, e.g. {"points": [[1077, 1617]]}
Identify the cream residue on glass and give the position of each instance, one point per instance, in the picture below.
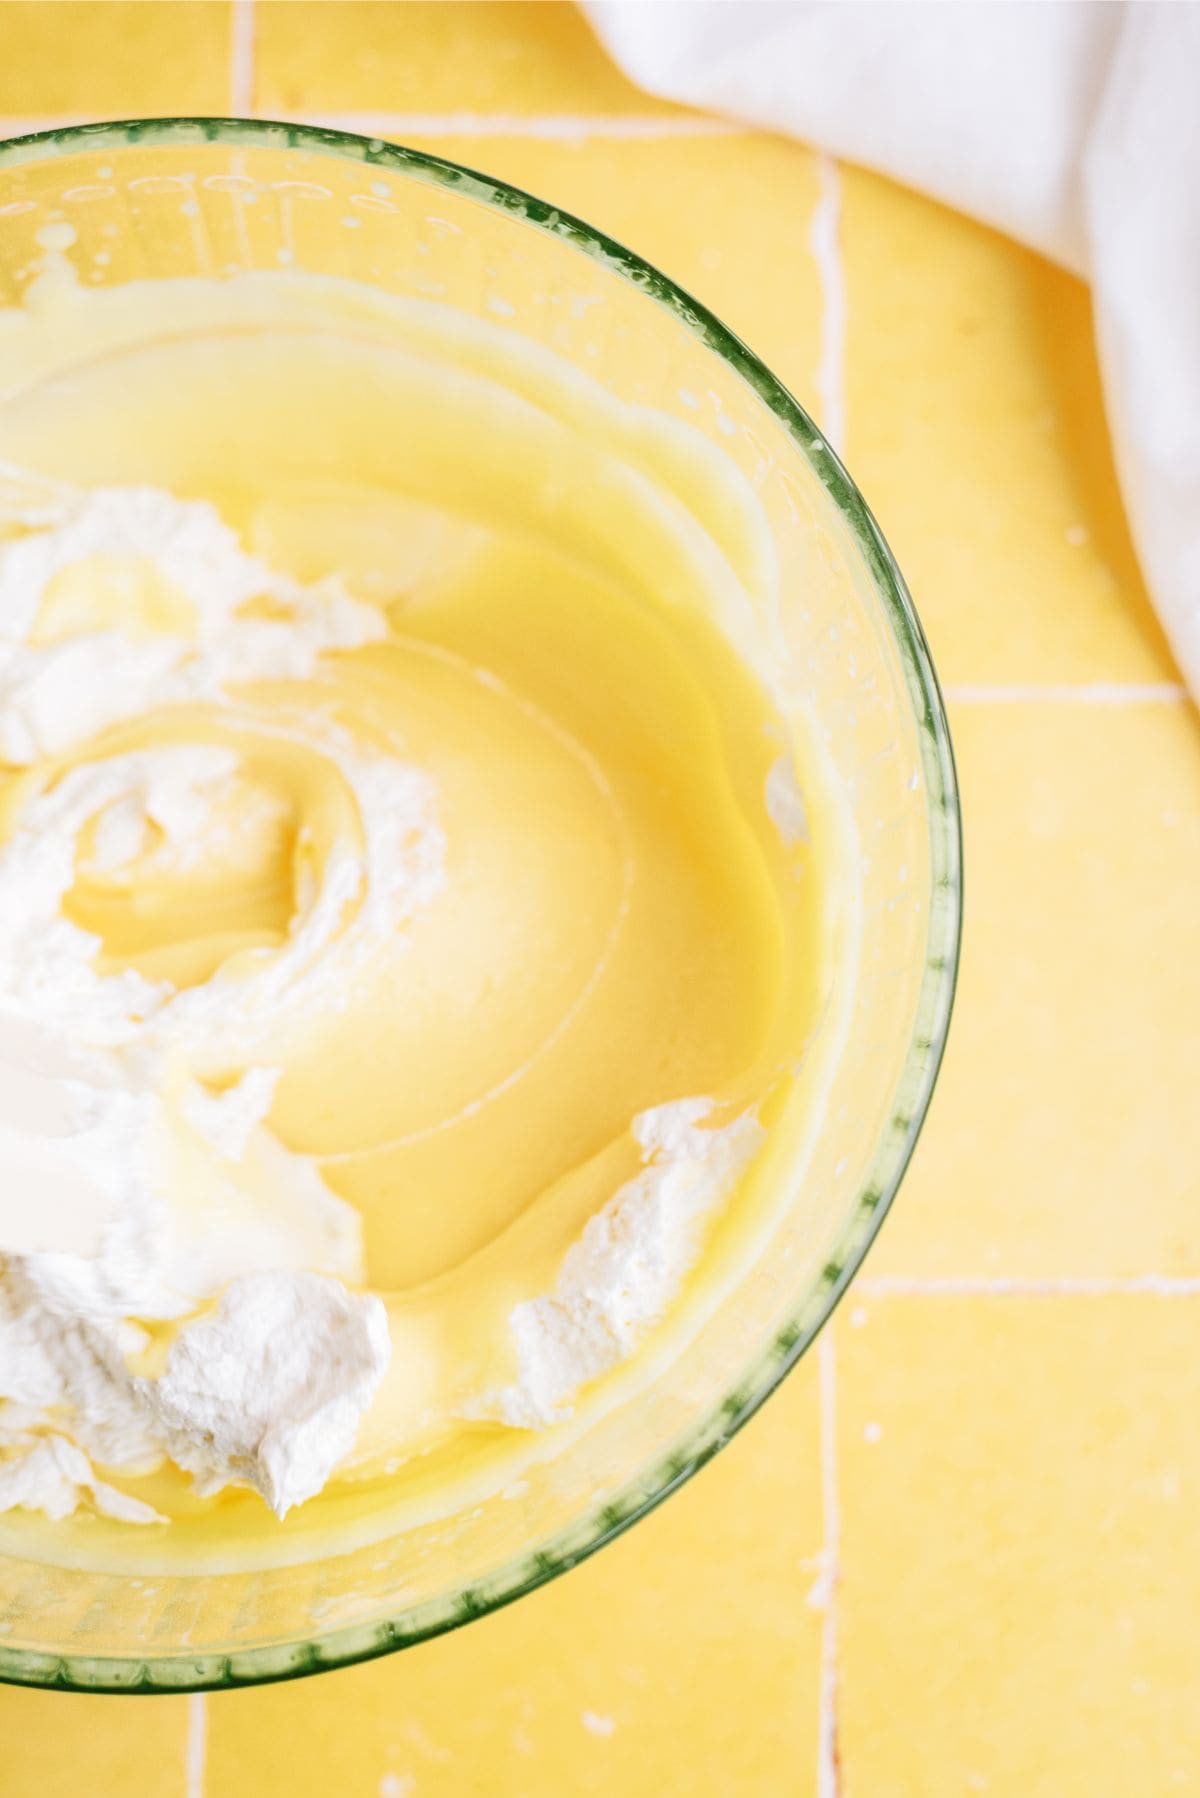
{"points": [[408, 918]]}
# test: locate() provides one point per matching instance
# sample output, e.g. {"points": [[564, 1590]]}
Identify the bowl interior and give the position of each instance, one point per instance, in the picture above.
{"points": [[160, 199]]}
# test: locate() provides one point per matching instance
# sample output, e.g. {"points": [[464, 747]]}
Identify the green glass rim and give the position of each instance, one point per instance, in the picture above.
{"points": [[914, 1087]]}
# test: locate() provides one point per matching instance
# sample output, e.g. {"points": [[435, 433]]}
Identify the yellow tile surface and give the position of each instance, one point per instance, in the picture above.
{"points": [[976, 430], [1020, 1512], [421, 56], [115, 58], [1065, 1134], [53, 1746], [682, 1661], [731, 250]]}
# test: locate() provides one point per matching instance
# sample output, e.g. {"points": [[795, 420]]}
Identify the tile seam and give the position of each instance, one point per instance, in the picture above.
{"points": [[825, 246], [196, 1747], [241, 59], [1086, 693], [551, 127], [1154, 1285], [828, 1765], [830, 382]]}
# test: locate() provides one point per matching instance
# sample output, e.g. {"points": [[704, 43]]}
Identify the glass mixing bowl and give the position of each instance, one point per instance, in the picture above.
{"points": [[162, 198]]}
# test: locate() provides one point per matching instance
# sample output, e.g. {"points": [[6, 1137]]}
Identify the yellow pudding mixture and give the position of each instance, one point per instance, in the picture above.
{"points": [[575, 984]]}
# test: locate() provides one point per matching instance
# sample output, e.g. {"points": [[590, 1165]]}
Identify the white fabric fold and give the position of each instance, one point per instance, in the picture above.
{"points": [[1072, 125]]}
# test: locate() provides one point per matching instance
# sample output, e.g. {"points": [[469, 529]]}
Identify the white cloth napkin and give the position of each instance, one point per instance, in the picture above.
{"points": [[1073, 125]]}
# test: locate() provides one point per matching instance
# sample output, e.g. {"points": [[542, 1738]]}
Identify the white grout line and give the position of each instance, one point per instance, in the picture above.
{"points": [[830, 376], [824, 241], [554, 127], [551, 127], [1171, 1286], [196, 1751], [1102, 693], [241, 59], [828, 1780]]}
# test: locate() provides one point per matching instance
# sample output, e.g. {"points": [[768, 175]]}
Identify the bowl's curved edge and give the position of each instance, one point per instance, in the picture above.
{"points": [[149, 1675]]}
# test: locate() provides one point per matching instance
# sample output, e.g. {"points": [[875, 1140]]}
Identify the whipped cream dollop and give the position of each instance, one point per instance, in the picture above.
{"points": [[174, 1281], [177, 1284], [619, 1279]]}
